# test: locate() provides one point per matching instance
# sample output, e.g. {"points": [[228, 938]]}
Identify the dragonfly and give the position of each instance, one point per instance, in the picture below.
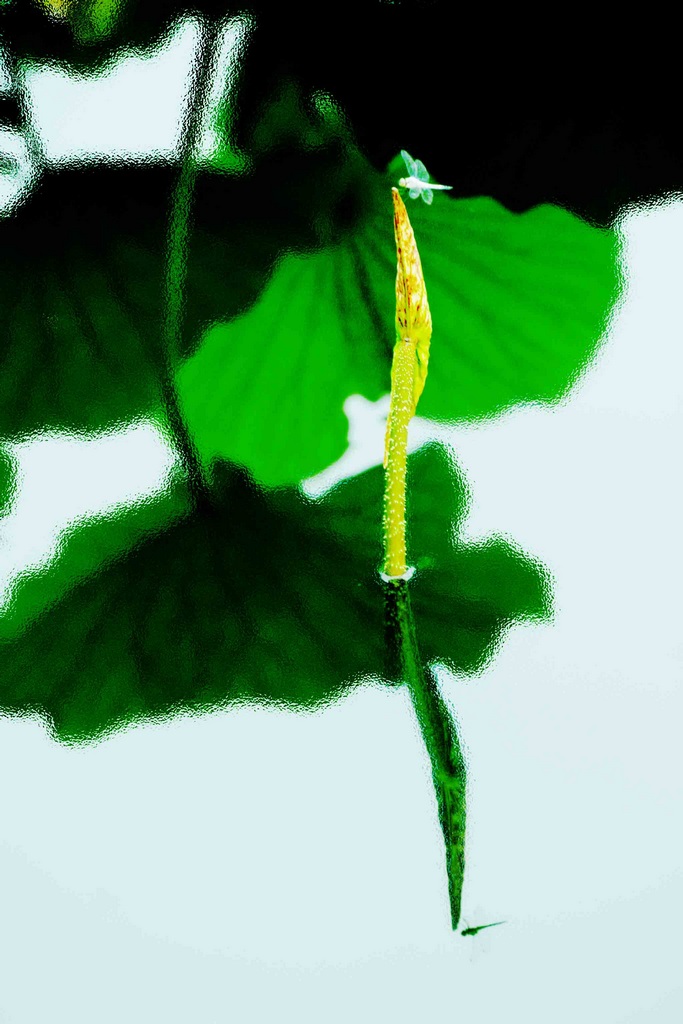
{"points": [[479, 928], [418, 179]]}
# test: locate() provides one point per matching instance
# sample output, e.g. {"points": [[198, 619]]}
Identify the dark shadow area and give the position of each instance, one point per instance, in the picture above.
{"points": [[578, 111]]}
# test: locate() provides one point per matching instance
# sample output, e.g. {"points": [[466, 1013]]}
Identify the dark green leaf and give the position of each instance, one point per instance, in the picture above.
{"points": [[8, 478], [81, 300], [83, 279], [265, 598], [86, 547]]}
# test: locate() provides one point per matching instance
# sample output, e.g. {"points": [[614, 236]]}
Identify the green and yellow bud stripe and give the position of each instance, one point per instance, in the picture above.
{"points": [[408, 375]]}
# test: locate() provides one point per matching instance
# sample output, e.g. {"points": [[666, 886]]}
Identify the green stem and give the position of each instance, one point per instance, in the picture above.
{"points": [[438, 732], [177, 259]]}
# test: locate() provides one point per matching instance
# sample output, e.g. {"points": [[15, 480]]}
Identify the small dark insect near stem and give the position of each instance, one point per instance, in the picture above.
{"points": [[480, 928]]}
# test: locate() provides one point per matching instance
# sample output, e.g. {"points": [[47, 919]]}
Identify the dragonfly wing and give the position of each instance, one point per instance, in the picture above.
{"points": [[421, 171], [427, 195], [414, 193], [411, 166]]}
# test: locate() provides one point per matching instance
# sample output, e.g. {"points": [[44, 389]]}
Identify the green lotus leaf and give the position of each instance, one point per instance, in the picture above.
{"points": [[263, 598], [519, 304]]}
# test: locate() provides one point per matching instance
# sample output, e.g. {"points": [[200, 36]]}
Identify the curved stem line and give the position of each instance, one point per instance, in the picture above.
{"points": [[180, 219]]}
